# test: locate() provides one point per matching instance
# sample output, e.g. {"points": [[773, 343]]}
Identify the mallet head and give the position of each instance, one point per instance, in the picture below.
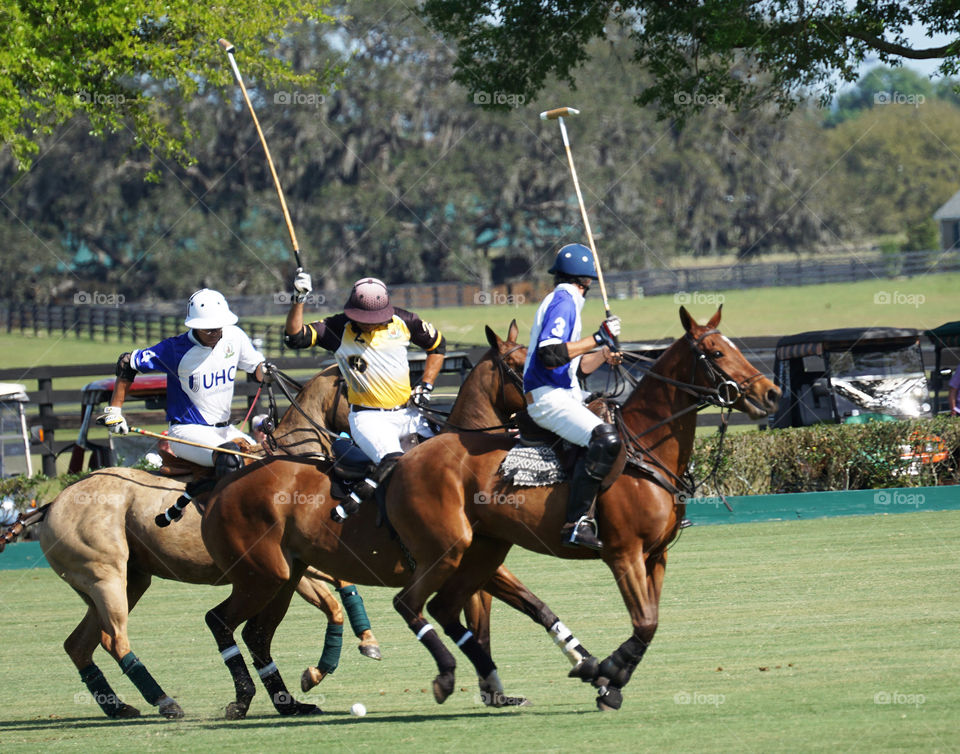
{"points": [[558, 112], [227, 46]]}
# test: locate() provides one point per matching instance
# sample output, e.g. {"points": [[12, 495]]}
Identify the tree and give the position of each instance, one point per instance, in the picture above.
{"points": [[696, 51], [112, 60]]}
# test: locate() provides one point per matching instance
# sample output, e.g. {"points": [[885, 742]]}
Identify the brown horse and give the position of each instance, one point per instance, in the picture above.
{"points": [[263, 534], [99, 536], [433, 504]]}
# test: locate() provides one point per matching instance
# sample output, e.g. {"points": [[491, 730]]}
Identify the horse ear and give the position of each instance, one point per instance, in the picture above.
{"points": [[492, 338], [513, 332], [715, 319], [686, 320]]}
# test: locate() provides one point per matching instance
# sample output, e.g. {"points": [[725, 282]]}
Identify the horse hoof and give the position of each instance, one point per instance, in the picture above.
{"points": [[443, 686], [123, 712], [170, 709], [586, 670], [609, 699], [310, 678], [371, 650], [305, 709], [237, 711]]}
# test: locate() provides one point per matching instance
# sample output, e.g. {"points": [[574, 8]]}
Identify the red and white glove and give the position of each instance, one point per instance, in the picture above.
{"points": [[608, 333]]}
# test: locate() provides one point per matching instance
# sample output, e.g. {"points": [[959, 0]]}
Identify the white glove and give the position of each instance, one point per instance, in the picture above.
{"points": [[112, 419], [421, 395], [609, 332], [302, 287]]}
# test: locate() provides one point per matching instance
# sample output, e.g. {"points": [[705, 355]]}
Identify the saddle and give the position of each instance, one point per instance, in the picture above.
{"points": [[350, 464], [542, 457]]}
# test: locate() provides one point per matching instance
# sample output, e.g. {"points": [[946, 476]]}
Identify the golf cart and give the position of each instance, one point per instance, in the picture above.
{"points": [[151, 389], [14, 438], [850, 375]]}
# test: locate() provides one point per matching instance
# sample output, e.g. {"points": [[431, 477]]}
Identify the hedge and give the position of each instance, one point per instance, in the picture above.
{"points": [[831, 457]]}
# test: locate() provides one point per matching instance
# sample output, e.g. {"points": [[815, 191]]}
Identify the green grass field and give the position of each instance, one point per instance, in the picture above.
{"points": [[827, 635]]}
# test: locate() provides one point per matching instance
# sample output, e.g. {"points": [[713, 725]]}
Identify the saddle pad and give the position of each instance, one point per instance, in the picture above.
{"points": [[532, 466]]}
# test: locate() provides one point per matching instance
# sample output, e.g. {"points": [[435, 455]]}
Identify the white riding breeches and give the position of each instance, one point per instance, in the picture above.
{"points": [[377, 432], [201, 433], [562, 412]]}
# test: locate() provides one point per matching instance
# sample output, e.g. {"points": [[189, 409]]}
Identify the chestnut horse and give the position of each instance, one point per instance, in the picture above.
{"points": [[266, 527], [99, 536], [432, 503]]}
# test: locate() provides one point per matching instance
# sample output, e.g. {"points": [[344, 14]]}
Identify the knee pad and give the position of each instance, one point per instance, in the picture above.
{"points": [[226, 463], [603, 450]]}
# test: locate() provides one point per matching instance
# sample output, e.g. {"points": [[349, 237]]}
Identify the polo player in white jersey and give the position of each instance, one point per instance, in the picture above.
{"points": [[370, 340], [201, 367]]}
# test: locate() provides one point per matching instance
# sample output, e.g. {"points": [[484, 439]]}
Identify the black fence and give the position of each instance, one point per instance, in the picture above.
{"points": [[109, 318]]}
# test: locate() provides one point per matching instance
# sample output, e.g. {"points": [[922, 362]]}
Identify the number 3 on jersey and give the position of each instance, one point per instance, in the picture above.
{"points": [[559, 325]]}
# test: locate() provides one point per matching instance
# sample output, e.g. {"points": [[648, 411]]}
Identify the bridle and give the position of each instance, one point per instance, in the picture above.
{"points": [[722, 392], [507, 372]]}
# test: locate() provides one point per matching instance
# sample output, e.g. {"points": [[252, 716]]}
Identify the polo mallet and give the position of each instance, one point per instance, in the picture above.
{"points": [[557, 115], [148, 433], [229, 49]]}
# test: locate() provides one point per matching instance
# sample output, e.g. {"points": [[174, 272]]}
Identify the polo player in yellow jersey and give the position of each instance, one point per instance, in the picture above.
{"points": [[370, 340]]}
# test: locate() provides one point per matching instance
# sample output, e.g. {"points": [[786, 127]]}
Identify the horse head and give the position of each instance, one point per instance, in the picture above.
{"points": [[509, 356], [724, 373]]}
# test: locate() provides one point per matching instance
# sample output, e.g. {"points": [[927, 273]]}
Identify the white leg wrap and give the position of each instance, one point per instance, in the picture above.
{"points": [[423, 631], [267, 670], [492, 683], [463, 639], [567, 642], [230, 652]]}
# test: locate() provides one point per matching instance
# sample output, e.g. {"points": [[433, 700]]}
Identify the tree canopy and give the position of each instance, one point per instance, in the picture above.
{"points": [[111, 60], [696, 52]]}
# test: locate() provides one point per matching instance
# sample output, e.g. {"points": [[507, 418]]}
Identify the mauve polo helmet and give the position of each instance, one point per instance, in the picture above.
{"points": [[369, 303]]}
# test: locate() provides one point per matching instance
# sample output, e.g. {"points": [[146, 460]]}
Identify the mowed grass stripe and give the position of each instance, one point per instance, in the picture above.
{"points": [[773, 637]]}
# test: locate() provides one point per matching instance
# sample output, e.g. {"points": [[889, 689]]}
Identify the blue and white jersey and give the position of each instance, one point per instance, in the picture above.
{"points": [[200, 380], [557, 321]]}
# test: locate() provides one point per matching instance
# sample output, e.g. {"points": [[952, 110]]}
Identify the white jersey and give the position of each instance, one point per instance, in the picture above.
{"points": [[200, 380]]}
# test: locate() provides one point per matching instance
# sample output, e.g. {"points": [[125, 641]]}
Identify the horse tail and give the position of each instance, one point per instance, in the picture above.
{"points": [[17, 528]]}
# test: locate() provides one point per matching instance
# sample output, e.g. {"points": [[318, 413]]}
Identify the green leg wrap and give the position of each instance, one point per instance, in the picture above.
{"points": [[137, 672], [356, 612], [332, 644], [100, 690]]}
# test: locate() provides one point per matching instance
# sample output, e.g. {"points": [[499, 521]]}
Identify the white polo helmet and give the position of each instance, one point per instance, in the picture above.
{"points": [[208, 310]]}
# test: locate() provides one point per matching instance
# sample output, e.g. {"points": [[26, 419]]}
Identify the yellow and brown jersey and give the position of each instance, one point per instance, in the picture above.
{"points": [[374, 365]]}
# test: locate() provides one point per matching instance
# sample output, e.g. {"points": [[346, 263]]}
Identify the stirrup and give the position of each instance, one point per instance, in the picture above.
{"points": [[582, 533]]}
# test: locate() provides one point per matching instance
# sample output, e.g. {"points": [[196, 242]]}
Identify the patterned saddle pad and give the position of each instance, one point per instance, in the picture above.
{"points": [[532, 466]]}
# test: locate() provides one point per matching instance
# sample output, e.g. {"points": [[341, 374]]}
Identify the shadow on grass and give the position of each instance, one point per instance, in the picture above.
{"points": [[263, 721]]}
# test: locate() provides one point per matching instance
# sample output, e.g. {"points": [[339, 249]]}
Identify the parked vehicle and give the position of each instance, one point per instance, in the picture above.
{"points": [[850, 375], [14, 439]]}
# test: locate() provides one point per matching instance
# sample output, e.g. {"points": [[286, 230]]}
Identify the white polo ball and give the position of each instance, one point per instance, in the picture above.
{"points": [[358, 710]]}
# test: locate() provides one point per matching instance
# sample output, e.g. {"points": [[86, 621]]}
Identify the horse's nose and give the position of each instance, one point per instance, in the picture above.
{"points": [[772, 398]]}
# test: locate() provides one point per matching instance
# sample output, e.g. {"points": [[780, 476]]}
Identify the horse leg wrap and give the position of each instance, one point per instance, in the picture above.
{"points": [[175, 511], [426, 634], [471, 648], [101, 691], [282, 699], [356, 612], [619, 666], [141, 678], [332, 644], [568, 643], [242, 682]]}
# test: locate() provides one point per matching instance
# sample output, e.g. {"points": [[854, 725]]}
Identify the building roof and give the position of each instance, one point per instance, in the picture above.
{"points": [[950, 210]]}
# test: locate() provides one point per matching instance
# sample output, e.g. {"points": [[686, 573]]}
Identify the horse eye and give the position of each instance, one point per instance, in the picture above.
{"points": [[717, 354]]}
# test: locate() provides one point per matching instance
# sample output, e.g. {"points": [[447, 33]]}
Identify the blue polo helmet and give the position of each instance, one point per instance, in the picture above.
{"points": [[575, 260]]}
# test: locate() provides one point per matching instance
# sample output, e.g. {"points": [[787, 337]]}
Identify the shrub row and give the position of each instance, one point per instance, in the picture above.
{"points": [[923, 452]]}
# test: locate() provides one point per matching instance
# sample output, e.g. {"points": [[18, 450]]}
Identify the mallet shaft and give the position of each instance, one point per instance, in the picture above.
{"points": [[558, 112], [148, 433], [229, 49]]}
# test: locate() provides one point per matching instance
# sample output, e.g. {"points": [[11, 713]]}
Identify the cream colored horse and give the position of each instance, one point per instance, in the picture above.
{"points": [[100, 537]]}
